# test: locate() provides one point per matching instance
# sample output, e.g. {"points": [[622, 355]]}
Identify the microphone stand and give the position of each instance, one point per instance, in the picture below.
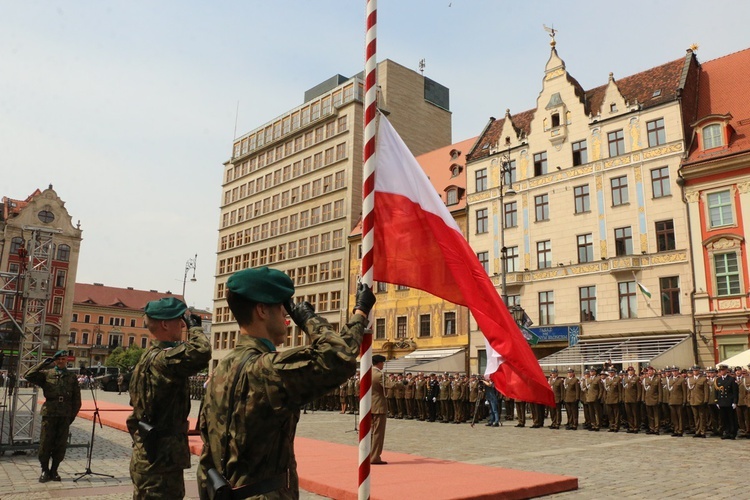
{"points": [[90, 453]]}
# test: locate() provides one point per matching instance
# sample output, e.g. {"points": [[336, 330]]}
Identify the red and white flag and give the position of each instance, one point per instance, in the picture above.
{"points": [[418, 244]]}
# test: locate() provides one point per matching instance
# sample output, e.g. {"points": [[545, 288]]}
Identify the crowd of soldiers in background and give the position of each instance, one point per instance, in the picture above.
{"points": [[669, 400], [197, 386]]}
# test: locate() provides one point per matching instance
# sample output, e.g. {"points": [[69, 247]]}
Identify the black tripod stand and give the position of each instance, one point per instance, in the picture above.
{"points": [[96, 416]]}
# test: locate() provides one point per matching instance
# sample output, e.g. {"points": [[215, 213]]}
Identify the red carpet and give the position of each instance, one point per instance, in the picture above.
{"points": [[322, 466]]}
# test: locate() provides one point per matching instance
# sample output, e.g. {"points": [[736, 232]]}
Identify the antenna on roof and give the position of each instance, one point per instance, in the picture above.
{"points": [[552, 32]]}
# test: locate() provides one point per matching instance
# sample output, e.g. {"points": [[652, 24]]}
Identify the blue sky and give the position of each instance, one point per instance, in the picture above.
{"points": [[128, 107]]}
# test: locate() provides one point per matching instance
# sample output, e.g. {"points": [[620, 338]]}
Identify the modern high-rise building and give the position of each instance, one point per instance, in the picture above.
{"points": [[292, 188], [582, 190]]}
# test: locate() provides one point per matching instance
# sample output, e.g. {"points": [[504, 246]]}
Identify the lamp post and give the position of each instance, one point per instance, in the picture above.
{"points": [[190, 264], [504, 170]]}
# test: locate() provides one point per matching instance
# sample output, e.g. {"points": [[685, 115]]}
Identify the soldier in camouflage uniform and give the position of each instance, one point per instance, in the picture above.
{"points": [[159, 395], [257, 458], [62, 402]]}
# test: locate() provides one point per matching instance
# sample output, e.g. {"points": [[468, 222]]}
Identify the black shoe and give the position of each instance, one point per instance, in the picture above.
{"points": [[55, 476], [46, 477], [520, 425], [495, 425]]}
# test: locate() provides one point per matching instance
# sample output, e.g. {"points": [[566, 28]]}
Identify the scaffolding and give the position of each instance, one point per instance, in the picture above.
{"points": [[32, 285]]}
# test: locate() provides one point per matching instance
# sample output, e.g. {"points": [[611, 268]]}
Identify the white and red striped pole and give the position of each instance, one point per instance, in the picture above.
{"points": [[368, 205]]}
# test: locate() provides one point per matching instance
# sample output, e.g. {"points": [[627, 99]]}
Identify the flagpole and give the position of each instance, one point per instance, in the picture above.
{"points": [[368, 205]]}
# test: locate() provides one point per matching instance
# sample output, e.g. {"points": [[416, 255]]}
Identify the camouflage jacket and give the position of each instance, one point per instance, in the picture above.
{"points": [[159, 394], [61, 391], [270, 391]]}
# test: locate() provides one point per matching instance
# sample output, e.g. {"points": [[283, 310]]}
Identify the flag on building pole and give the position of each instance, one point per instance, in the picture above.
{"points": [[418, 244], [642, 288]]}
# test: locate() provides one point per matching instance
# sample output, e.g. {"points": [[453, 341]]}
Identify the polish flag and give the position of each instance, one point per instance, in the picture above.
{"points": [[418, 244]]}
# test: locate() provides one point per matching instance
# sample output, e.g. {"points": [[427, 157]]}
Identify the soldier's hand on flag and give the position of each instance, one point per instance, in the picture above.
{"points": [[365, 299]]}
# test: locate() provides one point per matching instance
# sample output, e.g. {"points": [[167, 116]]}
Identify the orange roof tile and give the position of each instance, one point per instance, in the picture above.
{"points": [[107, 296], [639, 87], [722, 90], [437, 165]]}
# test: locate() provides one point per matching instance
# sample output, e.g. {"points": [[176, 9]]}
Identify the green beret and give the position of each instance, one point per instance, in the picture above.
{"points": [[166, 308], [60, 354], [262, 284]]}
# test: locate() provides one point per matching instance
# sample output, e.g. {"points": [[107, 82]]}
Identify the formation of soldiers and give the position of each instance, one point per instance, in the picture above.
{"points": [[197, 386], [669, 400]]}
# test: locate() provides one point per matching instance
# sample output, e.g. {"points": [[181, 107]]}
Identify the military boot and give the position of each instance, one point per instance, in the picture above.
{"points": [[53, 475], [45, 474]]}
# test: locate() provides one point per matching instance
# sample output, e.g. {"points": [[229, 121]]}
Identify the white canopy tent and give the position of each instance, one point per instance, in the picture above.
{"points": [[742, 359]]}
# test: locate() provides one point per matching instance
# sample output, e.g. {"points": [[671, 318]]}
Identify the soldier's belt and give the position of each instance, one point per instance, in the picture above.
{"points": [[219, 488]]}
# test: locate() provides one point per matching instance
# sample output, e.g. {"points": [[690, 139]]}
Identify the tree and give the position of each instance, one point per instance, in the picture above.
{"points": [[125, 359]]}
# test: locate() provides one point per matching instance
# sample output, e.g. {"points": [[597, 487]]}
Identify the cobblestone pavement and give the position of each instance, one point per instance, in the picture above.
{"points": [[619, 465]]}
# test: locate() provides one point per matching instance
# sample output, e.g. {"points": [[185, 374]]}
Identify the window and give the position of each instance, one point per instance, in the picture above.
{"points": [[338, 238], [16, 244], [302, 247], [380, 329], [580, 153], [628, 300], [616, 142], [449, 323], [482, 223], [555, 119], [85, 338], [341, 151], [511, 214], [325, 242], [315, 216], [541, 207], [451, 197], [301, 275], [304, 218], [665, 236], [712, 136], [544, 254], [587, 299], [339, 179], [86, 318], [305, 191], [382, 287], [335, 301], [623, 241], [656, 133], [509, 173], [619, 190], [720, 209], [660, 182], [424, 325], [669, 289], [480, 180], [72, 338], [57, 305], [314, 244], [511, 259], [63, 252], [540, 163], [316, 187], [585, 248], [336, 269], [60, 278], [546, 308], [727, 273], [484, 259], [401, 327], [338, 209]]}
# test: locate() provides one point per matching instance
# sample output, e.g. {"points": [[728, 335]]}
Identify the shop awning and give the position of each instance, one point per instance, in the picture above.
{"points": [[657, 351], [423, 360]]}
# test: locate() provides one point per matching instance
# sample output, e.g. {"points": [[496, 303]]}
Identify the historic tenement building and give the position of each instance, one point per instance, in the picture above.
{"points": [[716, 177], [583, 192], [41, 213]]}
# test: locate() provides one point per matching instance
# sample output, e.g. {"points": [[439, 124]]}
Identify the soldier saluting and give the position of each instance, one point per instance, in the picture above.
{"points": [[62, 402]]}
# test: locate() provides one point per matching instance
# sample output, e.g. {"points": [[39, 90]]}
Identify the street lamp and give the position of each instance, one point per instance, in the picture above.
{"points": [[190, 264], [504, 170], [518, 314]]}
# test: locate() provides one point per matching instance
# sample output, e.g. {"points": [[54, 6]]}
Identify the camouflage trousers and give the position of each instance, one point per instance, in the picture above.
{"points": [[167, 485], [54, 439]]}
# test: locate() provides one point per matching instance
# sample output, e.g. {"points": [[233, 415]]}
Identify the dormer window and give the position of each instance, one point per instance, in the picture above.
{"points": [[712, 136], [613, 108], [555, 120], [455, 170], [451, 197]]}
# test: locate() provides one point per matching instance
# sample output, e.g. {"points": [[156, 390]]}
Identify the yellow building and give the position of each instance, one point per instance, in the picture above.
{"points": [[589, 208], [421, 331], [292, 190]]}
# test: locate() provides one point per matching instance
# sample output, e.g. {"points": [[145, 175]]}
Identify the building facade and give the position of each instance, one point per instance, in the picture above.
{"points": [[716, 177], [105, 317], [46, 211], [411, 323], [582, 190], [292, 189]]}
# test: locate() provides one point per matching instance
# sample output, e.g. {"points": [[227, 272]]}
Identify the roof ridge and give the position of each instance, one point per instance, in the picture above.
{"points": [[726, 55]]}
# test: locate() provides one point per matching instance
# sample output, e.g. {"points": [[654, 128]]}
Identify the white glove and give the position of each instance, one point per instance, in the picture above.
{"points": [[717, 405], [434, 400], [734, 406]]}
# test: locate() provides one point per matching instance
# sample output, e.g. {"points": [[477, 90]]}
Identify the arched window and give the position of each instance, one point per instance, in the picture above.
{"points": [[63, 253], [15, 244], [712, 136]]}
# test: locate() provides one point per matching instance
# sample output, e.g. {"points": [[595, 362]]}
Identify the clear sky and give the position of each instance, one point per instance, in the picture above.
{"points": [[128, 107]]}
